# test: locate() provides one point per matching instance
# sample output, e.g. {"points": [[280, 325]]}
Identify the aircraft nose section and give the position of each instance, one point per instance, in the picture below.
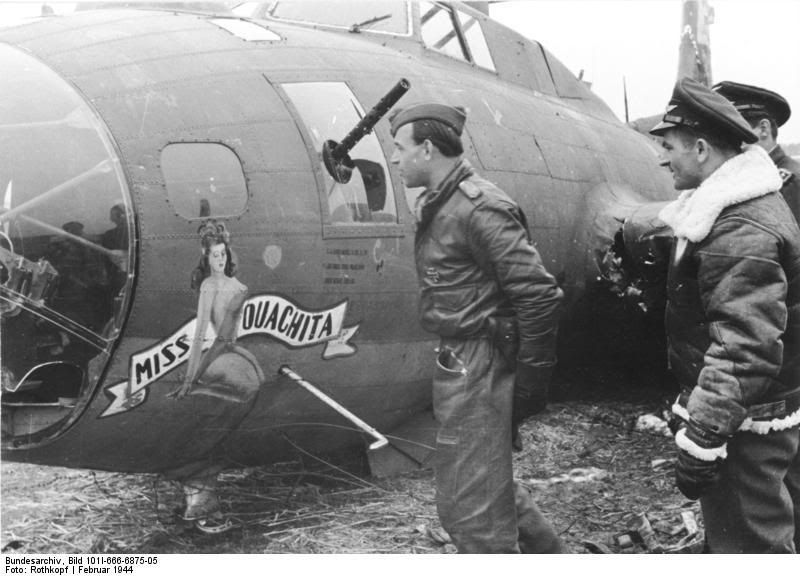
{"points": [[66, 249]]}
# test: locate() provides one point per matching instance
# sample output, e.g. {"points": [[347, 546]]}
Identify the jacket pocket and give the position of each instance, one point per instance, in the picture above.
{"points": [[453, 299]]}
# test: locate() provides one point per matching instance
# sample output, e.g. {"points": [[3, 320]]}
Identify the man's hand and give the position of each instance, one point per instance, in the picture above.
{"points": [[695, 477], [701, 452], [516, 441], [531, 386], [503, 332]]}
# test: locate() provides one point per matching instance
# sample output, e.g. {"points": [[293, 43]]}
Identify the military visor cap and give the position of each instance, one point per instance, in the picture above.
{"points": [[450, 115], [752, 101], [694, 106]]}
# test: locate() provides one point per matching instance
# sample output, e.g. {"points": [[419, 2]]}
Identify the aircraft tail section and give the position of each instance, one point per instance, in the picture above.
{"points": [[694, 55], [694, 58]]}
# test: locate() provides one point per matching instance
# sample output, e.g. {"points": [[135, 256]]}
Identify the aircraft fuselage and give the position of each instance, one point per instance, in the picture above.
{"points": [[185, 121]]}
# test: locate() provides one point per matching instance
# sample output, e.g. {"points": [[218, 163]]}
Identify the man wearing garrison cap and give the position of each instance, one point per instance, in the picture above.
{"points": [[486, 294], [733, 321], [766, 111]]}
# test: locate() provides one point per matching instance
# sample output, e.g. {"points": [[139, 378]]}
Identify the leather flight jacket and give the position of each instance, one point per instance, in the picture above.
{"points": [[476, 263]]}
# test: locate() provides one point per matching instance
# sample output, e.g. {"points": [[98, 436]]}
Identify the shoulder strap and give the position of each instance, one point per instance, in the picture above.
{"points": [[470, 189]]}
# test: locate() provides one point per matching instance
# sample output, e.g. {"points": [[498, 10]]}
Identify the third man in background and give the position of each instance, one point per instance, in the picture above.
{"points": [[766, 111]]}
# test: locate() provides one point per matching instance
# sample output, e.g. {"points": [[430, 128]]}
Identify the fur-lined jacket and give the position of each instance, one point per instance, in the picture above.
{"points": [[733, 311]]}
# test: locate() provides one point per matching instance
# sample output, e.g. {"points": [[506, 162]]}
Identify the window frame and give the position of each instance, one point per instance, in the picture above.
{"points": [[455, 16], [451, 14], [459, 14], [331, 229], [265, 15], [247, 193]]}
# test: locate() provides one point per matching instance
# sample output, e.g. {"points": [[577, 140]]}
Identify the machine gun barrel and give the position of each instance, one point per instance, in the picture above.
{"points": [[367, 123], [335, 154]]}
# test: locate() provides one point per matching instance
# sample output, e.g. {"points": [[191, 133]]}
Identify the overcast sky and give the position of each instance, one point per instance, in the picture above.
{"points": [[754, 42]]}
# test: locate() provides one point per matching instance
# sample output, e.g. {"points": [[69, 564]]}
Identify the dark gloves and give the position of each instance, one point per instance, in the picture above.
{"points": [[674, 423], [701, 452], [516, 441], [531, 385], [502, 330]]}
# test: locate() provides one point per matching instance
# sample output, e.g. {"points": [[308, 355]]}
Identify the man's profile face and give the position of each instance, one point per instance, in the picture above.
{"points": [[683, 162], [409, 158]]}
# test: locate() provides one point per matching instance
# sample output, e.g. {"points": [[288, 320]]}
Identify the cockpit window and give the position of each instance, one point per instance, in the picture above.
{"points": [[476, 42], [330, 110], [439, 30], [455, 33], [374, 16], [65, 216]]}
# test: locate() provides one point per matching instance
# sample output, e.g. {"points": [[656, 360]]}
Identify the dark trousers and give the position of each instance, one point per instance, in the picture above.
{"points": [[755, 507], [480, 505]]}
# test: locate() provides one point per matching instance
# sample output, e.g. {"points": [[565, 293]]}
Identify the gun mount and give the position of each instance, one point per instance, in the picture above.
{"points": [[335, 155]]}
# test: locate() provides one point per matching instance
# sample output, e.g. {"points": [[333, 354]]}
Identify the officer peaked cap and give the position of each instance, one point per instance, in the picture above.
{"points": [[752, 100], [695, 106], [453, 116]]}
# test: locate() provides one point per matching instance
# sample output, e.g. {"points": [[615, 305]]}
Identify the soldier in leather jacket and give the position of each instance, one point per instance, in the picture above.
{"points": [[733, 326], [486, 294]]}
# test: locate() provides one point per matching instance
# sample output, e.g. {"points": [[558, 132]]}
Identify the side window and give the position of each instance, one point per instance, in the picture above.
{"points": [[476, 41], [204, 179], [329, 111], [439, 30]]}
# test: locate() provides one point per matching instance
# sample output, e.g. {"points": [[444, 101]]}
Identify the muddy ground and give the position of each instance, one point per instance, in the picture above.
{"points": [[592, 472]]}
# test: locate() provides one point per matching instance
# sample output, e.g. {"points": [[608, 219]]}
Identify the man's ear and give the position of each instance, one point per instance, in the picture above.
{"points": [[702, 148], [427, 146], [763, 129]]}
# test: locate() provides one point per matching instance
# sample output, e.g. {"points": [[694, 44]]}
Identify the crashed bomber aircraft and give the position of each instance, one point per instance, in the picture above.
{"points": [[167, 118]]}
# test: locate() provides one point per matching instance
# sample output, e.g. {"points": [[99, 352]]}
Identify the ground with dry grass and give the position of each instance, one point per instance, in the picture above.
{"points": [[591, 471]]}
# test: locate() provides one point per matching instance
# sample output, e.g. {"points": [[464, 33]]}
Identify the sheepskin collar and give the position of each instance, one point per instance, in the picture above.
{"points": [[748, 175]]}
